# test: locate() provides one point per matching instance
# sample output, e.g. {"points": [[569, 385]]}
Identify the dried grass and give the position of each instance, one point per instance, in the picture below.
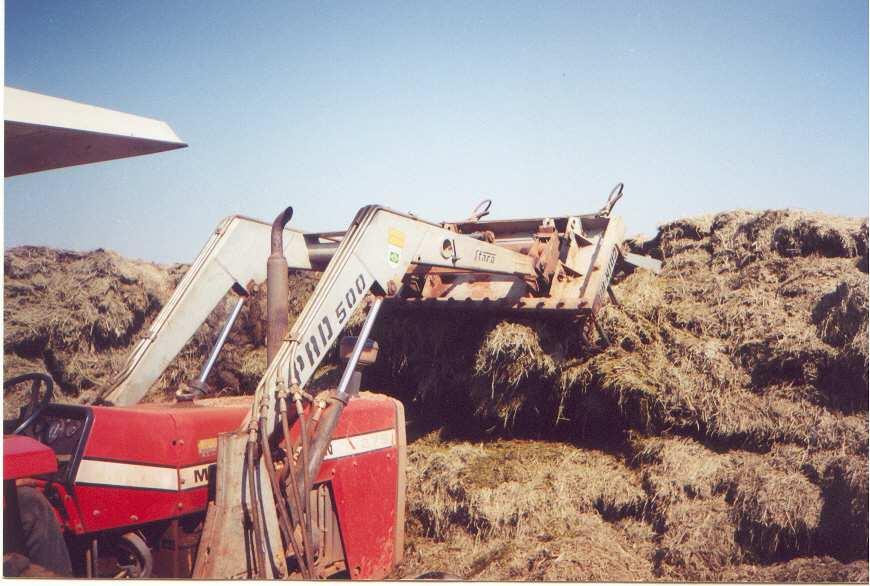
{"points": [[737, 347], [77, 313], [676, 469], [686, 484], [844, 484], [744, 365], [525, 510], [777, 513], [698, 540], [514, 489], [595, 551], [813, 570]]}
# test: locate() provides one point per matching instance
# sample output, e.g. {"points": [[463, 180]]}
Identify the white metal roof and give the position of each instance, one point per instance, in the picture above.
{"points": [[43, 132]]}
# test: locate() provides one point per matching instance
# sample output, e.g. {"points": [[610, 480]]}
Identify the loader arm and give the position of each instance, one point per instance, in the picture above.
{"points": [[230, 260], [375, 254]]}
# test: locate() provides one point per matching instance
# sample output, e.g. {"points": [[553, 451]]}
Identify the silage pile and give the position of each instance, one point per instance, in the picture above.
{"points": [[731, 405], [722, 435], [74, 315]]}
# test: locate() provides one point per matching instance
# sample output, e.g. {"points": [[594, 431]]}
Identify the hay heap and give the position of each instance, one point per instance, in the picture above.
{"points": [[524, 510], [74, 315], [722, 435], [738, 342], [735, 383]]}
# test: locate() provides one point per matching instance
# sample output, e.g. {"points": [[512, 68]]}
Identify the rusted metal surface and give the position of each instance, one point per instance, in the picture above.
{"points": [[558, 308], [175, 550], [330, 558], [573, 257], [227, 530]]}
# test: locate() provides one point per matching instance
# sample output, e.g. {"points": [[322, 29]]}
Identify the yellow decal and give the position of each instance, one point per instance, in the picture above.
{"points": [[396, 238], [207, 447]]}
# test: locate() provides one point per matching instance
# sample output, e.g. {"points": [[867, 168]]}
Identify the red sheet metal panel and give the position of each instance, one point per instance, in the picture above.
{"points": [[364, 484], [24, 457], [149, 462]]}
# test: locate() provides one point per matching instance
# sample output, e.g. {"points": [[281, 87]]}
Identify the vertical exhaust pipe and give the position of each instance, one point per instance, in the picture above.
{"points": [[277, 288]]}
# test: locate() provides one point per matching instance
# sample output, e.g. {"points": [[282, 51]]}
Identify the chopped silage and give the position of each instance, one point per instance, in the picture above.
{"points": [[696, 541], [811, 570], [74, 315], [722, 435], [749, 352], [524, 510], [742, 348]]}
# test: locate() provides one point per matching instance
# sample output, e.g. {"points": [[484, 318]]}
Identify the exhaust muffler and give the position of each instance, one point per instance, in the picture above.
{"points": [[277, 288]]}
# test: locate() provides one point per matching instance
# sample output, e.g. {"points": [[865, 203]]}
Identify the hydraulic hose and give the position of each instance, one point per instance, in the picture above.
{"points": [[254, 505], [328, 421], [295, 501], [283, 517], [303, 432], [315, 419]]}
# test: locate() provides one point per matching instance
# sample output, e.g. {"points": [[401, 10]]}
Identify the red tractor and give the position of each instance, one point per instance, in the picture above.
{"points": [[116, 488], [129, 486]]}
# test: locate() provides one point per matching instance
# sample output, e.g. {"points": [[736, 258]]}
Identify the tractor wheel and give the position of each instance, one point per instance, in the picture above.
{"points": [[127, 557]]}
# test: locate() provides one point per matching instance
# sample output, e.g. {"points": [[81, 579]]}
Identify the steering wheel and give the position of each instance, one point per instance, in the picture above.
{"points": [[37, 405]]}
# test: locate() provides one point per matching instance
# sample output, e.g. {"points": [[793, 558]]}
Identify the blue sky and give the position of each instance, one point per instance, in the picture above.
{"points": [[429, 107]]}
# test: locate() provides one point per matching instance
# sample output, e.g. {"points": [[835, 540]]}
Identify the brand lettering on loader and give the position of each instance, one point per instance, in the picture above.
{"points": [[483, 256], [319, 342]]}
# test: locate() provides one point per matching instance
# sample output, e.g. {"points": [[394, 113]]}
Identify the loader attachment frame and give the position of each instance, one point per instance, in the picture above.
{"points": [[228, 262], [373, 257]]}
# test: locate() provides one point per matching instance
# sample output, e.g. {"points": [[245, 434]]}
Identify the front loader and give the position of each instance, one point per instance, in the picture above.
{"points": [[276, 473], [307, 486]]}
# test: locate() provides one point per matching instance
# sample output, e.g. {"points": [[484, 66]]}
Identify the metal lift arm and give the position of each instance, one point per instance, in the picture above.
{"points": [[228, 261], [374, 255]]}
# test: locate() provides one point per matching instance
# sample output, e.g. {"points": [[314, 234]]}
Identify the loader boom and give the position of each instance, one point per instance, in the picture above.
{"points": [[374, 256], [230, 260], [558, 265]]}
